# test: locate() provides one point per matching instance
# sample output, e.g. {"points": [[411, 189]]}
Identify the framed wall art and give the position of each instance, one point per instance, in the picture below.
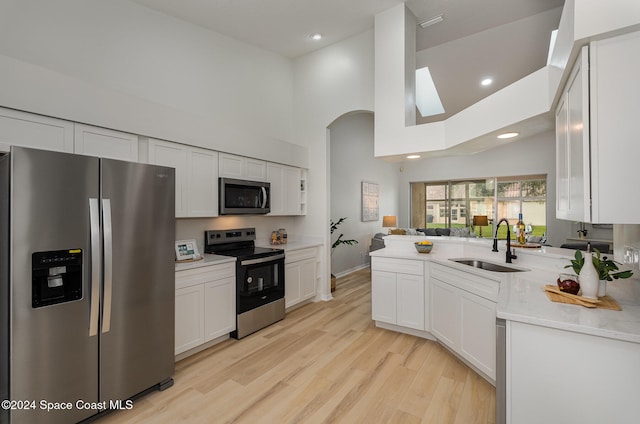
{"points": [[370, 201]]}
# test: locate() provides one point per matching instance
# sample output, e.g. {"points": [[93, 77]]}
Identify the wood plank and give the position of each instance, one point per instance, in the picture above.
{"points": [[326, 362]]}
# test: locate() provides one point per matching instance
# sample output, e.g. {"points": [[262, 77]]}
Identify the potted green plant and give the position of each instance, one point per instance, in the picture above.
{"points": [[606, 268], [338, 242]]}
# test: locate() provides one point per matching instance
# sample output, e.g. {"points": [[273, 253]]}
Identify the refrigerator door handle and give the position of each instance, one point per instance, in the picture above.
{"points": [[108, 265], [94, 219]]}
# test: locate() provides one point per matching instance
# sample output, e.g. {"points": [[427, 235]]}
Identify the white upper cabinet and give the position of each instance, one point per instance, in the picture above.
{"points": [[202, 188], [615, 110], [105, 143], [572, 145], [243, 168], [35, 131], [173, 155], [596, 134], [196, 173], [285, 189]]}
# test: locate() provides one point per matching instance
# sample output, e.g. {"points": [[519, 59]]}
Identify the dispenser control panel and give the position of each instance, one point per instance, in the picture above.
{"points": [[56, 277]]}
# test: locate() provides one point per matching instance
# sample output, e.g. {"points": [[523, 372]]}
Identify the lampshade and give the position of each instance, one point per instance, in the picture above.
{"points": [[480, 220], [389, 221]]}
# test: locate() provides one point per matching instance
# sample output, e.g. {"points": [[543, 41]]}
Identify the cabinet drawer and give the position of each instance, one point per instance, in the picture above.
{"points": [[205, 274], [403, 266], [484, 287], [300, 254]]}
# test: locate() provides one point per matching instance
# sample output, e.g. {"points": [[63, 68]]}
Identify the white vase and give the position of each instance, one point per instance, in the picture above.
{"points": [[602, 288], [589, 280]]}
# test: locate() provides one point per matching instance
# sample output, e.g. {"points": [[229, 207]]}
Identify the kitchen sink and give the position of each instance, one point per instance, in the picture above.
{"points": [[487, 266]]}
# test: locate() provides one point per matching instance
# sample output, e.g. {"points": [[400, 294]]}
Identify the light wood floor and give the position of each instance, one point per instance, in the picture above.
{"points": [[325, 362]]}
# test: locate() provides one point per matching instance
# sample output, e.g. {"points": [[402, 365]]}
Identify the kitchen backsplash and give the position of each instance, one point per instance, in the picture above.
{"points": [[194, 228]]}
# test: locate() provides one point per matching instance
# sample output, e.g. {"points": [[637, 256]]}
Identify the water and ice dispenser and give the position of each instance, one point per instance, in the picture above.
{"points": [[56, 277]]}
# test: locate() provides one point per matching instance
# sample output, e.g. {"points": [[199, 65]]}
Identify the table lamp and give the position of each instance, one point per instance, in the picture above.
{"points": [[389, 221], [481, 221]]}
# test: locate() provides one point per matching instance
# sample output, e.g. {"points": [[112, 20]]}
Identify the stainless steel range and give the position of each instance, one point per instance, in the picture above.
{"points": [[259, 278]]}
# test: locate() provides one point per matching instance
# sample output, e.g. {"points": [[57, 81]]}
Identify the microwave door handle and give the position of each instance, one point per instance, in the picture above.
{"points": [[264, 197], [94, 220]]}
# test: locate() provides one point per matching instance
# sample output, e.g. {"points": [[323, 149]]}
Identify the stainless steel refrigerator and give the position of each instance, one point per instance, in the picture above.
{"points": [[87, 284]]}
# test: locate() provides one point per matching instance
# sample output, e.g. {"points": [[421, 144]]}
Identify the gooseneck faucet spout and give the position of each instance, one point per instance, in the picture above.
{"points": [[509, 255]]}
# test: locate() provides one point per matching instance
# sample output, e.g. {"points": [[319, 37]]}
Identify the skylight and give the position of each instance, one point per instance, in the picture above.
{"points": [[552, 45], [427, 99]]}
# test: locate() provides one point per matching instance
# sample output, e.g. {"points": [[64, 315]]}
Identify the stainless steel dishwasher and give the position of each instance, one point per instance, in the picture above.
{"points": [[501, 371]]}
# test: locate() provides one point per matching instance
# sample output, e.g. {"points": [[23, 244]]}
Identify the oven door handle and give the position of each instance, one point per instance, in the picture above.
{"points": [[262, 260]]}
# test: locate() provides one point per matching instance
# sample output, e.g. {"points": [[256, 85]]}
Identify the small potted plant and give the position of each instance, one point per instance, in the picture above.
{"points": [[606, 268], [338, 242]]}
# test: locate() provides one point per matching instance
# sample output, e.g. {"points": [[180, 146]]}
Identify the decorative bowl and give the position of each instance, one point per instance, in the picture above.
{"points": [[568, 283], [423, 246]]}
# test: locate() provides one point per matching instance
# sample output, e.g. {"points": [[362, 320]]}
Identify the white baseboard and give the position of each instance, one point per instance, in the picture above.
{"points": [[349, 271]]}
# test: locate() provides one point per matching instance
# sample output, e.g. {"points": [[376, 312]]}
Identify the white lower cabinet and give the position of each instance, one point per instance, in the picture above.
{"points": [[300, 275], [445, 313], [398, 292], [560, 376], [219, 313], [463, 315], [383, 296], [478, 332], [189, 318], [205, 305]]}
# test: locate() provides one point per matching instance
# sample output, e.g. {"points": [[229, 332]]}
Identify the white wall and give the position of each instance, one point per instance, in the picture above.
{"points": [[527, 98], [535, 155], [119, 65], [352, 162], [328, 84]]}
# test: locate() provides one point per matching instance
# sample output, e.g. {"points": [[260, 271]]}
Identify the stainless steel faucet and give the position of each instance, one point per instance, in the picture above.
{"points": [[509, 255]]}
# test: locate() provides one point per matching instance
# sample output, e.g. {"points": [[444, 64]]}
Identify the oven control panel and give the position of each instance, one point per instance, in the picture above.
{"points": [[229, 236]]}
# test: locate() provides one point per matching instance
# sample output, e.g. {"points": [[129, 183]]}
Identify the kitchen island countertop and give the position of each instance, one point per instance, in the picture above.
{"points": [[522, 297]]}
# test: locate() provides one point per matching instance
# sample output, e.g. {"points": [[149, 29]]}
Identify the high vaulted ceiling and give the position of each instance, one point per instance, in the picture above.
{"points": [[504, 39]]}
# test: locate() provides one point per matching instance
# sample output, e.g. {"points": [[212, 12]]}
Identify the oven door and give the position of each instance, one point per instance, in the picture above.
{"points": [[260, 281], [243, 197]]}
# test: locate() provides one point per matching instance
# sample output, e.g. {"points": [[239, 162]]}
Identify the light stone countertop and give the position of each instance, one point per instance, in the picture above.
{"points": [[291, 245], [207, 260], [210, 259], [522, 297]]}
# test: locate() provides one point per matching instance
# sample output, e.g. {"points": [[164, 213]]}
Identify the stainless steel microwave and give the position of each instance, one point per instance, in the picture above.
{"points": [[237, 197]]}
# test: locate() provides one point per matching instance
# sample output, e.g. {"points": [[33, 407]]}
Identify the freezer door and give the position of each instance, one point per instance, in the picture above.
{"points": [[137, 328], [53, 358]]}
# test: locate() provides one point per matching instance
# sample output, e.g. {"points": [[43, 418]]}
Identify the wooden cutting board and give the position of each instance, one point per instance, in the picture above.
{"points": [[527, 245], [606, 302]]}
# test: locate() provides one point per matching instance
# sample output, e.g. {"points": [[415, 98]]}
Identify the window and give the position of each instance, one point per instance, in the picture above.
{"points": [[452, 204]]}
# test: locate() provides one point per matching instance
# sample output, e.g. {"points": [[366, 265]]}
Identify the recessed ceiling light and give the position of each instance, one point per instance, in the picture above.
{"points": [[509, 135], [316, 36], [413, 156], [486, 81]]}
